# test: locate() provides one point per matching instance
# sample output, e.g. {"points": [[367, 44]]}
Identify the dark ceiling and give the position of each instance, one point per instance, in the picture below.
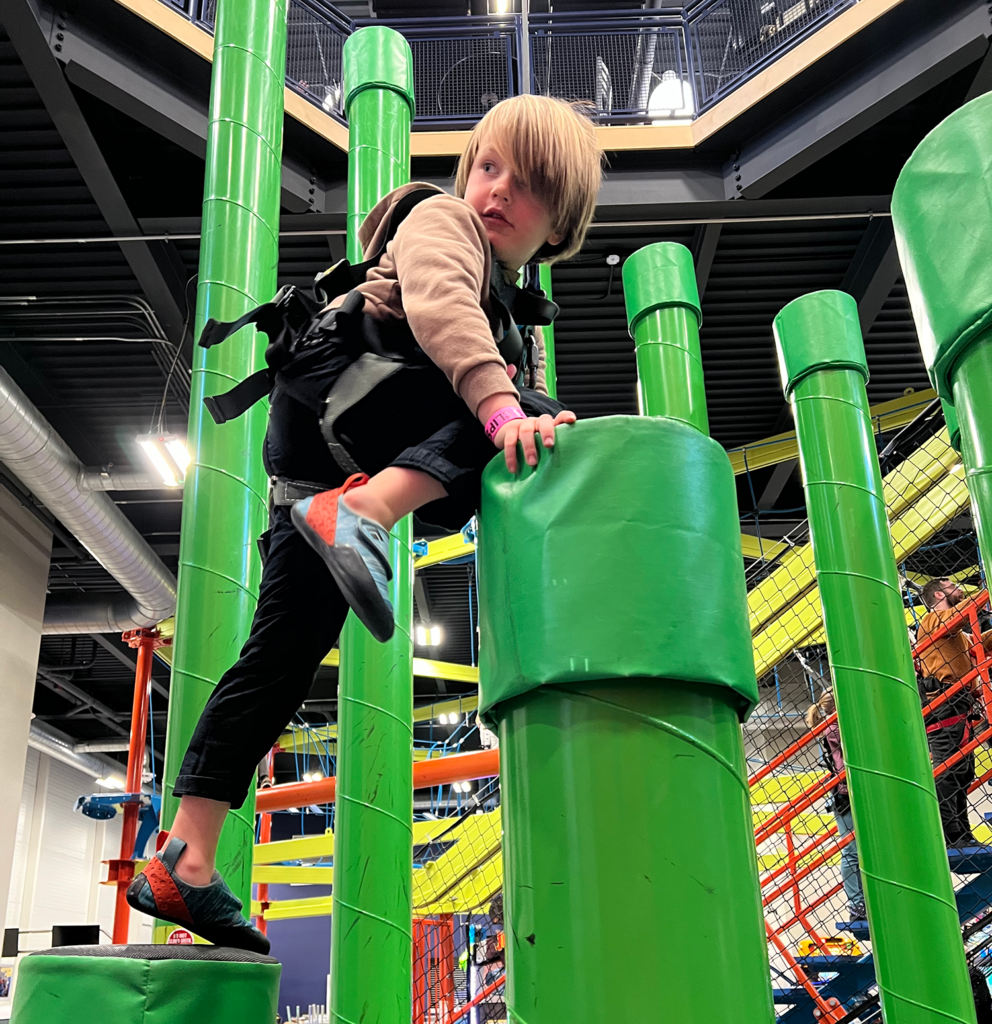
{"points": [[77, 332]]}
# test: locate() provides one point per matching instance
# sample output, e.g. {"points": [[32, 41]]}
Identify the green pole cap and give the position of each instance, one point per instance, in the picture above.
{"points": [[819, 331], [953, 427], [659, 276], [942, 216], [377, 57]]}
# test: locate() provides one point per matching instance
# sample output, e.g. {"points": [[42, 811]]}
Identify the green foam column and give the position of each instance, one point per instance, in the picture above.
{"points": [[659, 284], [225, 499], [942, 215], [550, 362], [916, 935], [616, 661], [371, 940]]}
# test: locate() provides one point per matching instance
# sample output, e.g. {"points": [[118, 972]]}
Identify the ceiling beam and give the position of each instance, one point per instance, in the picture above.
{"points": [[705, 249], [982, 82], [104, 66], [776, 484], [148, 261], [873, 271], [941, 47]]}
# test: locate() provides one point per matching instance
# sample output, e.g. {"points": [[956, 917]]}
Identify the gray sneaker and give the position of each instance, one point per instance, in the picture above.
{"points": [[355, 549]]}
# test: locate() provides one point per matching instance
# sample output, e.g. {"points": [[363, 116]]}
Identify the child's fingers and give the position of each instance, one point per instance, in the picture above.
{"points": [[527, 442], [565, 416], [510, 447], [547, 427]]}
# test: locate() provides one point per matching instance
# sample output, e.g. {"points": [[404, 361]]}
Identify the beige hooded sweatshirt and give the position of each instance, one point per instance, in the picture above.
{"points": [[435, 274]]}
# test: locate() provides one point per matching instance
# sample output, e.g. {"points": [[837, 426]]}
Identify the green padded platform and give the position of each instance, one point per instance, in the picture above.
{"points": [[146, 985]]}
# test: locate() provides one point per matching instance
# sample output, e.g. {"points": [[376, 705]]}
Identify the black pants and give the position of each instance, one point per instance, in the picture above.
{"points": [[952, 784], [414, 420]]}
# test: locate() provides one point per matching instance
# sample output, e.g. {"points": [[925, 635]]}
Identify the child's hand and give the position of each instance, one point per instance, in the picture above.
{"points": [[524, 431]]}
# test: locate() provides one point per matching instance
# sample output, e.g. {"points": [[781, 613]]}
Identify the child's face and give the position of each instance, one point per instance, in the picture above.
{"points": [[516, 220]]}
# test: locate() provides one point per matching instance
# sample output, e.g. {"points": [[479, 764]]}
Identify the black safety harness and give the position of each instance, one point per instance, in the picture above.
{"points": [[295, 320]]}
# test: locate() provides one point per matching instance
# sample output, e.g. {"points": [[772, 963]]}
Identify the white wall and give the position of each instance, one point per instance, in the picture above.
{"points": [[25, 553]]}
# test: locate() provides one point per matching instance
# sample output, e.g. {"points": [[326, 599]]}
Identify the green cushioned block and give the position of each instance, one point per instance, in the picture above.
{"points": [[942, 215], [146, 985], [659, 276], [617, 557], [818, 331]]}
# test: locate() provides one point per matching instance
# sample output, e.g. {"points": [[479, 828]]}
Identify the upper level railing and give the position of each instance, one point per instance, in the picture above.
{"points": [[632, 66]]}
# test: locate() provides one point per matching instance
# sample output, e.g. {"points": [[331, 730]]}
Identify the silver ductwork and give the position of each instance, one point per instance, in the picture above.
{"points": [[110, 478], [56, 744], [47, 467]]}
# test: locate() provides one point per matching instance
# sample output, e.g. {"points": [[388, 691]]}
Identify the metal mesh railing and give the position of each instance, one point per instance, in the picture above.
{"points": [[732, 39], [628, 68], [819, 945], [631, 66]]}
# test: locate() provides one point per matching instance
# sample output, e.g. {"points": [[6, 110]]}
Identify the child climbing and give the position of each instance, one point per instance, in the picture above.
{"points": [[393, 398]]}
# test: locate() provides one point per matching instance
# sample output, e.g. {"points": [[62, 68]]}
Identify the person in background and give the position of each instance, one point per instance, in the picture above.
{"points": [[945, 662], [840, 804]]}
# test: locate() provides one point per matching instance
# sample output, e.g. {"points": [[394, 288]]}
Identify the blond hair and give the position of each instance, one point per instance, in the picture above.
{"points": [[553, 147], [821, 710]]}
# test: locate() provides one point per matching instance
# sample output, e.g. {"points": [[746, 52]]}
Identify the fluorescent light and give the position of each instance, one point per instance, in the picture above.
{"points": [[180, 455], [671, 99], [158, 461], [307, 777], [421, 635], [443, 719], [502, 6], [435, 636], [111, 782], [317, 776], [168, 454]]}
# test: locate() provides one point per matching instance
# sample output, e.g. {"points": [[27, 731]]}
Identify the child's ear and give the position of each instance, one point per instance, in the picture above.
{"points": [[555, 239]]}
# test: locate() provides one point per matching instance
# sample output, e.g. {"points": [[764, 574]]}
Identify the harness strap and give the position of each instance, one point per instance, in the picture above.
{"points": [[946, 723], [239, 399]]}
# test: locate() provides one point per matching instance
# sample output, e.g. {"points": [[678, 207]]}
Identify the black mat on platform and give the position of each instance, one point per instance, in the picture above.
{"points": [[223, 954]]}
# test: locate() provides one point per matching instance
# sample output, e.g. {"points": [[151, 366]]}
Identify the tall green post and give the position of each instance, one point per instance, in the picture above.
{"points": [[616, 661], [371, 934], [942, 215], [550, 362], [225, 498], [916, 936]]}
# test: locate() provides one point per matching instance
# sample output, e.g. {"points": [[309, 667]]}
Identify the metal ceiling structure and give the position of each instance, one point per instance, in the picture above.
{"points": [[103, 119]]}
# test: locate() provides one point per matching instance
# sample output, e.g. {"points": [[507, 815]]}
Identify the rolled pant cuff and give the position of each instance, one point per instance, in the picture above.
{"points": [[210, 789]]}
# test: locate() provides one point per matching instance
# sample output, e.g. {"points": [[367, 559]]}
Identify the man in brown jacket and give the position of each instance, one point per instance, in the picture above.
{"points": [[443, 403]]}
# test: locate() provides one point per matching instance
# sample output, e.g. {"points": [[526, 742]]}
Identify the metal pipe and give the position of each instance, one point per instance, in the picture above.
{"points": [[226, 492], [144, 640], [916, 936], [54, 743], [372, 943], [613, 719], [46, 466], [110, 478], [439, 771]]}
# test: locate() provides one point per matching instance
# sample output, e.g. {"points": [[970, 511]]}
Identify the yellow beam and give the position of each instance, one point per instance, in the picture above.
{"points": [[772, 450], [758, 547], [283, 874], [444, 550], [317, 847]]}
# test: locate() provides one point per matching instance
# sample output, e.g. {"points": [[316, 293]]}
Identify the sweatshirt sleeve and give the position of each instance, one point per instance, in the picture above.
{"points": [[441, 255]]}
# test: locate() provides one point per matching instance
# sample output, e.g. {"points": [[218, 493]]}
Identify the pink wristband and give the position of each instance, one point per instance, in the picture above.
{"points": [[501, 416]]}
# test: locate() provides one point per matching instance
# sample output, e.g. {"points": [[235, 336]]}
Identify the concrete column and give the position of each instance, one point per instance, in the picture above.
{"points": [[25, 553]]}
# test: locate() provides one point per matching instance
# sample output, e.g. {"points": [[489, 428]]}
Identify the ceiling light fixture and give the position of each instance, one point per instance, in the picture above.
{"points": [[168, 454], [428, 636], [111, 782]]}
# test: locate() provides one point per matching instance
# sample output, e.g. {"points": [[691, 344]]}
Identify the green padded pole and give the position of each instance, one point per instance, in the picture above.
{"points": [[371, 940], [916, 936], [942, 215], [550, 363], [663, 308], [628, 847], [225, 499]]}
